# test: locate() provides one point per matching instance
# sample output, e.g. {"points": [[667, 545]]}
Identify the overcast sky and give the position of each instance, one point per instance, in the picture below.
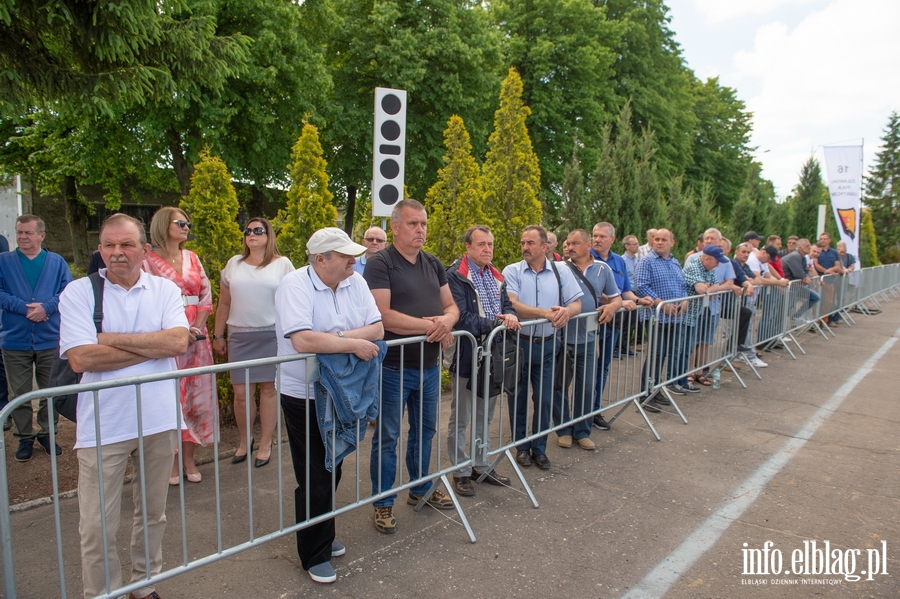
{"points": [[812, 72]]}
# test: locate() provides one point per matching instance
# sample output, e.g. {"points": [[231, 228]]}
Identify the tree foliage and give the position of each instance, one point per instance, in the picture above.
{"points": [[868, 242], [309, 201], [213, 207], [511, 175], [454, 202], [882, 187], [808, 194]]}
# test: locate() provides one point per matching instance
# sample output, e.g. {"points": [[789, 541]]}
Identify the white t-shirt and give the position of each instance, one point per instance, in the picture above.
{"points": [[304, 303], [757, 266], [253, 291], [153, 304]]}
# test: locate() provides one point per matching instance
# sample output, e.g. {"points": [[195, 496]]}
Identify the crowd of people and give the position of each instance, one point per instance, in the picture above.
{"points": [[156, 300]]}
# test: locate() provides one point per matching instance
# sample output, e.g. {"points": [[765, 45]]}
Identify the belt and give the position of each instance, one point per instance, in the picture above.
{"points": [[190, 300], [542, 339]]}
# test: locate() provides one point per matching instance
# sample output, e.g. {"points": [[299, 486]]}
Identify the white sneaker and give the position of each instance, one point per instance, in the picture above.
{"points": [[758, 363]]}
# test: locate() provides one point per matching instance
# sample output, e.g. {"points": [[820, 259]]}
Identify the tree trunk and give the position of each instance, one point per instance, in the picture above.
{"points": [[351, 210], [77, 217], [184, 170]]}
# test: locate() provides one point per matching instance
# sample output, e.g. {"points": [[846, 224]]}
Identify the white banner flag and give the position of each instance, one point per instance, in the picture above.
{"points": [[844, 167]]}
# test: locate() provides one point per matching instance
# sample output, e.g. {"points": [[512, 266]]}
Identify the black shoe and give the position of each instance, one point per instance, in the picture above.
{"points": [[631, 352], [600, 423], [541, 461], [616, 355], [524, 459], [25, 450], [662, 400], [240, 459], [258, 463], [651, 407], [463, 486], [7, 425], [491, 478], [45, 443]]}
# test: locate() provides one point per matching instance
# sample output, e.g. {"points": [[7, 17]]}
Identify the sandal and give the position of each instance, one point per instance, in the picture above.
{"points": [[702, 380]]}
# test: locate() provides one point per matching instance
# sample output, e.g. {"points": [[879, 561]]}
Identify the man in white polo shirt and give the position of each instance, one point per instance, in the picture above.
{"points": [[143, 329], [323, 308]]}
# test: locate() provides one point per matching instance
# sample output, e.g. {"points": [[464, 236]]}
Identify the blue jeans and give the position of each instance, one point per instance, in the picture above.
{"points": [[538, 368], [582, 395], [422, 406], [813, 300], [606, 338]]}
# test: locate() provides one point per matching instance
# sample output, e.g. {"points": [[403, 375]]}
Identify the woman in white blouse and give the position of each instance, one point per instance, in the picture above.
{"points": [[247, 306]]}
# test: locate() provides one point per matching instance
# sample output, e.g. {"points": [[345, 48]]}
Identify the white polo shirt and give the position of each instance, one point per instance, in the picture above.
{"points": [[153, 304], [757, 266], [304, 303]]}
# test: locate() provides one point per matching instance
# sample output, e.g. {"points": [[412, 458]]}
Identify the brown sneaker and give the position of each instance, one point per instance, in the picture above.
{"points": [[438, 500], [384, 520], [586, 444], [565, 441], [463, 486]]}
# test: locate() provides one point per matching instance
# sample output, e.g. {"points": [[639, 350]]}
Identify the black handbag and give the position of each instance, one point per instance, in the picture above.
{"points": [[504, 365], [61, 374]]}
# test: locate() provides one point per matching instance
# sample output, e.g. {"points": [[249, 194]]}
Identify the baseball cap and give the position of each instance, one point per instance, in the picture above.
{"points": [[772, 251], [752, 235], [716, 252], [332, 239]]}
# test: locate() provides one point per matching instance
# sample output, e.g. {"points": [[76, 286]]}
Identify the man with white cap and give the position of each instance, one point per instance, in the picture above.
{"points": [[323, 308]]}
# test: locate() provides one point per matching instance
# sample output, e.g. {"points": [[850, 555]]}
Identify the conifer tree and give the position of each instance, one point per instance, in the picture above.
{"points": [[809, 193], [574, 213], [309, 204], [868, 246], [454, 202], [882, 187], [511, 176], [213, 208]]}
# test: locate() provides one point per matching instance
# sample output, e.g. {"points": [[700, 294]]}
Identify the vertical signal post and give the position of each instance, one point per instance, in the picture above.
{"points": [[389, 151]]}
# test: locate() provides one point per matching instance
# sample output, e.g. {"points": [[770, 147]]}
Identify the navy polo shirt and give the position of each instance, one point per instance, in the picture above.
{"points": [[828, 258], [617, 264]]}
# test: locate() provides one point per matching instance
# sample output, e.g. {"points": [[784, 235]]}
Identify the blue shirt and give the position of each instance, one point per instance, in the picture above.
{"points": [[630, 264], [360, 265], [619, 268], [658, 277], [601, 278], [828, 258], [541, 290]]}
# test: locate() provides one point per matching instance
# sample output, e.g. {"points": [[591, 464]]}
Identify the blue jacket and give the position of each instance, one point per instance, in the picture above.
{"points": [[19, 333], [346, 400], [471, 315]]}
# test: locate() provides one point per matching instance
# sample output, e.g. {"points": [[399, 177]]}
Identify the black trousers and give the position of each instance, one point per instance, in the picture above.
{"points": [[313, 542]]}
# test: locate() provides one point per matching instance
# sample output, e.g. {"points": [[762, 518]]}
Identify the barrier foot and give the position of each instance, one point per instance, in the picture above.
{"points": [[735, 373], [459, 510], [845, 314], [674, 404], [640, 407], [797, 343], [818, 324], [521, 476], [743, 358]]}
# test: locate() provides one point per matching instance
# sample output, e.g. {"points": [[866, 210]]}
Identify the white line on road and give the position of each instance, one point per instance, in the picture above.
{"points": [[659, 580]]}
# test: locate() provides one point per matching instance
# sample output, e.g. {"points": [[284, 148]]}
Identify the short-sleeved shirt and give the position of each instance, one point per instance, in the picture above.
{"points": [[415, 291], [252, 291], [360, 265], [304, 303], [658, 277], [724, 272], [601, 278], [848, 260], [828, 258], [757, 266], [541, 290], [630, 264], [619, 268], [153, 304], [695, 272]]}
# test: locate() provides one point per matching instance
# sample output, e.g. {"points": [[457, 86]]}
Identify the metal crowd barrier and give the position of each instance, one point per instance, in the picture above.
{"points": [[604, 374], [229, 540]]}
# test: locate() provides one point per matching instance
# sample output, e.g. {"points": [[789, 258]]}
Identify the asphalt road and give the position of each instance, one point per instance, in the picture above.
{"points": [[808, 454]]}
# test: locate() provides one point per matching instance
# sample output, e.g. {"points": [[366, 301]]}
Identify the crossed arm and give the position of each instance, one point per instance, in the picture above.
{"points": [[119, 350]]}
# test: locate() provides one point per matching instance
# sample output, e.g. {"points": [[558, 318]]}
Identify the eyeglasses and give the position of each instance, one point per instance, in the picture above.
{"points": [[374, 240], [254, 231], [183, 224]]}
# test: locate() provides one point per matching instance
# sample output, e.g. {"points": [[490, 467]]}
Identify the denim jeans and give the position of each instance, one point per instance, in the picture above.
{"points": [[582, 395], [812, 297], [538, 368], [606, 339], [420, 396]]}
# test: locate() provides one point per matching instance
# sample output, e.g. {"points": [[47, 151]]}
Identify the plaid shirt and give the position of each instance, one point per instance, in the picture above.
{"points": [[695, 272], [487, 289], [658, 277]]}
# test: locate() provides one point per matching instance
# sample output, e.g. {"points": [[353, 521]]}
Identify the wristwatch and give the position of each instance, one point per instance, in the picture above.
{"points": [[218, 337], [341, 334]]}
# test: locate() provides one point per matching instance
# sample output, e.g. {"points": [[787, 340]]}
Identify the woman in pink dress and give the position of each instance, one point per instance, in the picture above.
{"points": [[168, 232]]}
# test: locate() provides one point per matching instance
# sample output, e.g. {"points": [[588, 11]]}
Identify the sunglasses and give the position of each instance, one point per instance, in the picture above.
{"points": [[374, 240], [183, 224], [254, 231]]}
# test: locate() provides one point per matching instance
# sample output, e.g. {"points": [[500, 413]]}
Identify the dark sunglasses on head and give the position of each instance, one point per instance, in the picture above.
{"points": [[374, 239], [254, 231], [183, 224]]}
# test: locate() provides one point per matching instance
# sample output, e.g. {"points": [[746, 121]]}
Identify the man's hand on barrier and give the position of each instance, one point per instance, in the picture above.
{"points": [[559, 317], [629, 305], [645, 301], [511, 321], [441, 327], [364, 350], [607, 313]]}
